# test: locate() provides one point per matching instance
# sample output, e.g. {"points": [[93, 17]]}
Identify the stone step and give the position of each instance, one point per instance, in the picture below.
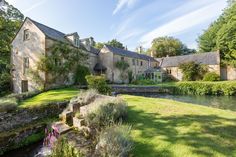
{"points": [[78, 123], [61, 127]]}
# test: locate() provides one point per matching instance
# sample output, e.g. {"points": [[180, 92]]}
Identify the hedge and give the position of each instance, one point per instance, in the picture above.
{"points": [[206, 88]]}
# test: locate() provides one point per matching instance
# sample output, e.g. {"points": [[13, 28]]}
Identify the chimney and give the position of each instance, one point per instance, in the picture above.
{"points": [[152, 53], [140, 49], [126, 48], [91, 41]]}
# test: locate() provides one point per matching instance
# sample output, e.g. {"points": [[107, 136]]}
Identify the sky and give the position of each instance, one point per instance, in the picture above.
{"points": [[133, 22]]}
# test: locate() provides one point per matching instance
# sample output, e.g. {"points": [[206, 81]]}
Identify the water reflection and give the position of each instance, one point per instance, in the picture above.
{"points": [[222, 102]]}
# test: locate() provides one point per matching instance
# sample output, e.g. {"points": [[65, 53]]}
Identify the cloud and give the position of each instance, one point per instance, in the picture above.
{"points": [[123, 3], [35, 5], [184, 23]]}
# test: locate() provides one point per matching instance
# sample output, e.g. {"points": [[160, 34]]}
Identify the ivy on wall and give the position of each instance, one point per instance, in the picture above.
{"points": [[122, 66]]}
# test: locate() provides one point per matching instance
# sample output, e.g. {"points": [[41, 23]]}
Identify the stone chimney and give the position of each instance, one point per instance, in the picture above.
{"points": [[152, 53], [91, 41], [140, 49]]}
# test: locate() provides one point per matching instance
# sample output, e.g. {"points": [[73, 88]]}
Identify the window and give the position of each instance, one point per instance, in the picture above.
{"points": [[25, 64], [168, 71], [141, 63], [76, 42], [122, 58], [26, 35], [133, 60]]}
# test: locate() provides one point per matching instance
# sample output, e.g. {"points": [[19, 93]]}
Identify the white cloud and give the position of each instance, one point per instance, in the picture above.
{"points": [[35, 5], [123, 3], [183, 23]]}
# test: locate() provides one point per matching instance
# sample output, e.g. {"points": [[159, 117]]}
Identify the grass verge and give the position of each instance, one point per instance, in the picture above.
{"points": [[168, 128]]}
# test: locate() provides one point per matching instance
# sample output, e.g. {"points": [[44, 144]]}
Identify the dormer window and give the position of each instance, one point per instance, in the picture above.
{"points": [[76, 42], [26, 35]]}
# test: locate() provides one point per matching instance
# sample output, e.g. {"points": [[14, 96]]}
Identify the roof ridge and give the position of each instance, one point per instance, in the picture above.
{"points": [[45, 25]]}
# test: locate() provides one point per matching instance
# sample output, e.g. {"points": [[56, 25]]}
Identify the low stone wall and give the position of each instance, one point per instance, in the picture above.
{"points": [[121, 89], [17, 125]]}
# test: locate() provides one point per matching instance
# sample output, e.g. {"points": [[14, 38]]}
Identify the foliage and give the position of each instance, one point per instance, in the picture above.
{"points": [[61, 63], [206, 88], [130, 76], [99, 45], [115, 43], [144, 82], [192, 71], [163, 46], [159, 126], [221, 36], [81, 72], [98, 83], [122, 66], [10, 21], [106, 111], [211, 76], [8, 104], [115, 141], [86, 97], [63, 148]]}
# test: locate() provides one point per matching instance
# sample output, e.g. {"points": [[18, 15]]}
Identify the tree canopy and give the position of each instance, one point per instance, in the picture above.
{"points": [[10, 21], [163, 46], [221, 35], [113, 43]]}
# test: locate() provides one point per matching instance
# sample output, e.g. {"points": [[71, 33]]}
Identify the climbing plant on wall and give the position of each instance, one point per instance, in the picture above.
{"points": [[122, 66], [60, 63]]}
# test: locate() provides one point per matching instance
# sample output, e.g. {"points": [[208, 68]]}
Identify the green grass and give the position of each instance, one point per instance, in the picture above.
{"points": [[169, 128], [50, 96]]}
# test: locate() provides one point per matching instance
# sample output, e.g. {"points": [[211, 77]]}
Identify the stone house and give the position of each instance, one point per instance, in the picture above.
{"points": [[211, 60], [34, 40], [138, 63]]}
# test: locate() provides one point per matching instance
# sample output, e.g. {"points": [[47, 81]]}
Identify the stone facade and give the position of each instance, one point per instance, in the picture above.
{"points": [[136, 65], [34, 40]]}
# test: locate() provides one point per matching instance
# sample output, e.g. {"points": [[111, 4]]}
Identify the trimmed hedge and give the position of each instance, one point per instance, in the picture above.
{"points": [[206, 88], [211, 76]]}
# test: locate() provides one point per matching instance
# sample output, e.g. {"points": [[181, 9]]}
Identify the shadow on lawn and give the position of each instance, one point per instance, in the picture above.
{"points": [[208, 134]]}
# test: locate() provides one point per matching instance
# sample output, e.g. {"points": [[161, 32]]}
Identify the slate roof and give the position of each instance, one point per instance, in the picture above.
{"points": [[127, 53], [209, 58], [59, 36]]}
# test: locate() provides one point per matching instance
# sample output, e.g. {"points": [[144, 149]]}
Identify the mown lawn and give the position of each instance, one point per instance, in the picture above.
{"points": [[169, 128], [50, 96]]}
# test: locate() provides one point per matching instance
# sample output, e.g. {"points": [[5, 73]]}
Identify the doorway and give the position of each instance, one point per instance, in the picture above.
{"points": [[24, 86]]}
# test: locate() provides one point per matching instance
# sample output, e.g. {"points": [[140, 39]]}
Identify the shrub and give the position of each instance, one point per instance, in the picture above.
{"points": [[206, 88], [115, 141], [85, 97], [8, 104], [5, 83], [80, 73], [106, 111], [192, 71], [98, 83], [63, 148], [144, 82], [211, 76]]}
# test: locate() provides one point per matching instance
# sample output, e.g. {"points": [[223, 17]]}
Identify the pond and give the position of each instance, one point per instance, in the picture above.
{"points": [[221, 102]]}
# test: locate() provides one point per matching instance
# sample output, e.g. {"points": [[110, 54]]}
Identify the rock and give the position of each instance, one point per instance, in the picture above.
{"points": [[78, 123]]}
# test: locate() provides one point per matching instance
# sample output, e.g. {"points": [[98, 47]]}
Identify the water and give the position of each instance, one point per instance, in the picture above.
{"points": [[221, 102]]}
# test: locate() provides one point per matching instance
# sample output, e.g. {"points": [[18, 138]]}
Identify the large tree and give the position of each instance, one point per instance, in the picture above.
{"points": [[113, 43], [221, 35], [168, 46], [10, 20]]}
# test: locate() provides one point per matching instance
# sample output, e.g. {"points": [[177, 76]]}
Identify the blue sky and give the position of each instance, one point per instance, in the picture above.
{"points": [[133, 22]]}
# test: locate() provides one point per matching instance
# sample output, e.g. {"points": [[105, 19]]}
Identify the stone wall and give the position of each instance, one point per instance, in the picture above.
{"points": [[142, 89], [33, 48], [17, 125]]}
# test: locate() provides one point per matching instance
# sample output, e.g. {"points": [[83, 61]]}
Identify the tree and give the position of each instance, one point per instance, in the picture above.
{"points": [[122, 66], [10, 21], [193, 71], [99, 45], [221, 35], [163, 46], [115, 43]]}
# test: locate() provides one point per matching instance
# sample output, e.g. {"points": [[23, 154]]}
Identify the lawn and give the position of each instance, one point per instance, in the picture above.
{"points": [[50, 96], [169, 128]]}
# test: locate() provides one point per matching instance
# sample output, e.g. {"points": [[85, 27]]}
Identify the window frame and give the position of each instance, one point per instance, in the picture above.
{"points": [[26, 35]]}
